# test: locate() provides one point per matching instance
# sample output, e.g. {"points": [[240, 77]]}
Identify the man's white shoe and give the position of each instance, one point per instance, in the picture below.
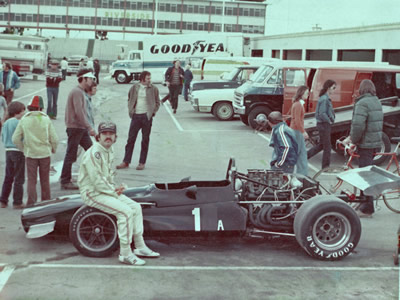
{"points": [[131, 259], [146, 252]]}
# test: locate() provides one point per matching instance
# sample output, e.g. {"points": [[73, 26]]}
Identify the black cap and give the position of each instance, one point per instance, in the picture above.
{"points": [[107, 127]]}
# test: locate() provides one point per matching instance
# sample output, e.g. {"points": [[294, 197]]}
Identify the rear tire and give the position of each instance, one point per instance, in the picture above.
{"points": [[327, 228], [386, 147], [93, 232], [121, 77], [223, 111]]}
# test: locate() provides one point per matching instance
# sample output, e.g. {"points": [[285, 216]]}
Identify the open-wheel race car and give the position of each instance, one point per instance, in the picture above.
{"points": [[260, 202]]}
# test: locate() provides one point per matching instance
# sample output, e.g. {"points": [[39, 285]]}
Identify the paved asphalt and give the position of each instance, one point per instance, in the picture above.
{"points": [[196, 145]]}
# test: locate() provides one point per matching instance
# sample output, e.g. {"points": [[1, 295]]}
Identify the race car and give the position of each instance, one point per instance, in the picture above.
{"points": [[260, 202]]}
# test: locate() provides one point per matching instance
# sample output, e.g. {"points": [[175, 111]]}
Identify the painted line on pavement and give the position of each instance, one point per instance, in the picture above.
{"points": [[173, 118], [5, 275], [215, 268], [30, 94]]}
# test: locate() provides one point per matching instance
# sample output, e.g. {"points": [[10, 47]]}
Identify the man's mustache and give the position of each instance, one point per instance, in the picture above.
{"points": [[108, 139]]}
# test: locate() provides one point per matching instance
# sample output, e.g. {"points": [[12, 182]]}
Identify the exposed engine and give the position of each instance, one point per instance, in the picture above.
{"points": [[272, 189]]}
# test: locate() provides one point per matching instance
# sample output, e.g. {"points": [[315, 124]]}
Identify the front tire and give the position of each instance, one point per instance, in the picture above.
{"points": [[93, 232], [259, 113], [121, 77], [327, 228], [223, 111]]}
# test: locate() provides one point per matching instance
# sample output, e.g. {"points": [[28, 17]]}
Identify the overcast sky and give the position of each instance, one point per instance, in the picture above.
{"points": [[287, 16]]}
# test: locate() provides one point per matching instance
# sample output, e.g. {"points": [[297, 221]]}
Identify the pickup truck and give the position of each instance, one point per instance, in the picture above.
{"points": [[217, 96], [73, 63]]}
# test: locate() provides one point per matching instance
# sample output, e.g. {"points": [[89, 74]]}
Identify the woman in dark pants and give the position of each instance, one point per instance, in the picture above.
{"points": [[325, 117]]}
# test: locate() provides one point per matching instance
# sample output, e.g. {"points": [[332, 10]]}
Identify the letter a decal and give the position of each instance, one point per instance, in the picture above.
{"points": [[220, 226]]}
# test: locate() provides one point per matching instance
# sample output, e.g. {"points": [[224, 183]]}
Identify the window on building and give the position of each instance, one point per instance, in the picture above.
{"points": [[116, 4], [217, 27], [218, 10], [75, 20], [104, 21], [251, 12], [145, 6], [161, 6], [76, 3], [161, 24], [104, 3], [133, 5], [115, 22], [246, 11], [145, 23], [29, 18], [202, 9], [87, 20], [173, 8], [52, 19], [18, 17], [172, 25], [229, 11], [201, 26], [189, 25], [228, 28], [132, 23], [190, 8], [58, 19], [257, 12]]}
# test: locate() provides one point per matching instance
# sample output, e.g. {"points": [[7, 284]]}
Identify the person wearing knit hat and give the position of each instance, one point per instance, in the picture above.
{"points": [[36, 137]]}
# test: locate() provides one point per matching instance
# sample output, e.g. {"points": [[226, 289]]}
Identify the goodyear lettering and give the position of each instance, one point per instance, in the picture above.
{"points": [[127, 15], [198, 46]]}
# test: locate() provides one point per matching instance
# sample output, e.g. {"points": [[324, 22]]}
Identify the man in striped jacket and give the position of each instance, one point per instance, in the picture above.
{"points": [[10, 81], [283, 140]]}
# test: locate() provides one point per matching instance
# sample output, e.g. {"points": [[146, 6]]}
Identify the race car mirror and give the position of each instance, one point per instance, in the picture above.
{"points": [[191, 192]]}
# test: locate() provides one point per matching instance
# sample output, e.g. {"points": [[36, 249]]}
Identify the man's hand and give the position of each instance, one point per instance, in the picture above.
{"points": [[92, 132], [120, 189], [305, 135]]}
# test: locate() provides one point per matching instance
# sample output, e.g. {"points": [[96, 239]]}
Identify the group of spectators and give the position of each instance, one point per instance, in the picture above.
{"points": [[290, 153]]}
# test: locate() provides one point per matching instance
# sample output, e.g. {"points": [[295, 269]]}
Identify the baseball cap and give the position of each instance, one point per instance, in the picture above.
{"points": [[107, 127], [36, 101]]}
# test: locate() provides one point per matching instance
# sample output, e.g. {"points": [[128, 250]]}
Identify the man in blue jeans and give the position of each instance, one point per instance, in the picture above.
{"points": [[78, 125], [143, 103]]}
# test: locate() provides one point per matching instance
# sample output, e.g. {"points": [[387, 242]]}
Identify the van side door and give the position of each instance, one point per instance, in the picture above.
{"points": [[293, 78]]}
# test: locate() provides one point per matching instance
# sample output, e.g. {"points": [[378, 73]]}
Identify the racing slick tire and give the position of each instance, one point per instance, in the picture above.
{"points": [[223, 111], [327, 228], [259, 113], [121, 77], [244, 119], [93, 232]]}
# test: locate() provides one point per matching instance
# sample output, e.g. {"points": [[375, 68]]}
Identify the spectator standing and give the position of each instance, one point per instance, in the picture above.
{"points": [[53, 79], [188, 77], [283, 140], [96, 66], [89, 65], [173, 78], [297, 124], [10, 80], [81, 64], [143, 103], [78, 126], [366, 132], [98, 189], [64, 67], [36, 136], [89, 104], [325, 116], [15, 159], [3, 107]]}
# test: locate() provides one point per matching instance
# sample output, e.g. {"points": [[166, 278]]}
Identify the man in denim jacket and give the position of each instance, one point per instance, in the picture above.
{"points": [[283, 140]]}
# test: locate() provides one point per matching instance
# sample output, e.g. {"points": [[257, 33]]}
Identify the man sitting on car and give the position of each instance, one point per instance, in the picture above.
{"points": [[98, 190], [283, 140]]}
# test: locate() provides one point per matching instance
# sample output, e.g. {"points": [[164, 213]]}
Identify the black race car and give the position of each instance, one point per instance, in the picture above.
{"points": [[261, 202]]}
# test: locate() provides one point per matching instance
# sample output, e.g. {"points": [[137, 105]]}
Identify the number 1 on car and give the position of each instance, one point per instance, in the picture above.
{"points": [[196, 214]]}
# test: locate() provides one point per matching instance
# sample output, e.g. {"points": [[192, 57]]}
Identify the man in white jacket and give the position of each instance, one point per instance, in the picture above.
{"points": [[97, 188]]}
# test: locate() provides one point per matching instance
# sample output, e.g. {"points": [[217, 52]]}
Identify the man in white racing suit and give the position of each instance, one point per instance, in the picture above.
{"points": [[97, 188]]}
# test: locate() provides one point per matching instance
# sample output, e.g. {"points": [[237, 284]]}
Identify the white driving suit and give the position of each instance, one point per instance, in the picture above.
{"points": [[97, 188]]}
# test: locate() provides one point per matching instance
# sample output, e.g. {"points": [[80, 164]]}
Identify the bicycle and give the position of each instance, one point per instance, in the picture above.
{"points": [[391, 198]]}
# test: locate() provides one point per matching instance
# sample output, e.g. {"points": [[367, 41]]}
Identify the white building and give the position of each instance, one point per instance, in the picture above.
{"points": [[118, 19], [374, 43]]}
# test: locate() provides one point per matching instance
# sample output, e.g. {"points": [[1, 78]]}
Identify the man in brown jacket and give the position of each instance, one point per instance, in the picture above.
{"points": [[78, 125], [143, 103]]}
